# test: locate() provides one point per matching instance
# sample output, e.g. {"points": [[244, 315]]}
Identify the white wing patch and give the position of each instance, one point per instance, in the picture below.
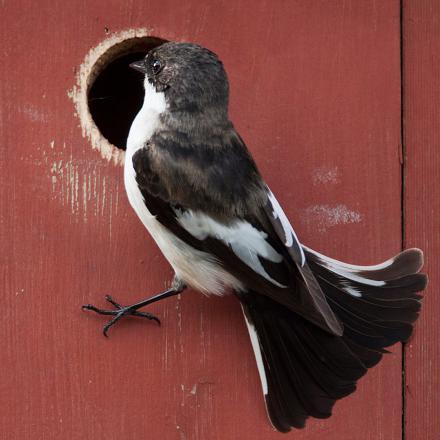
{"points": [[290, 235], [247, 242]]}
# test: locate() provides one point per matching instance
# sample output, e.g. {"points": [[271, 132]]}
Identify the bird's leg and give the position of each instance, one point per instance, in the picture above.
{"points": [[121, 311]]}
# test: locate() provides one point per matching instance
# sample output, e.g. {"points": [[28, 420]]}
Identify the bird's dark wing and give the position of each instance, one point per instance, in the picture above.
{"points": [[212, 197], [315, 300]]}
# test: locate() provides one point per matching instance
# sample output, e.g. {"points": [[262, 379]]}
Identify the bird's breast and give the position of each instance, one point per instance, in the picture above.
{"points": [[198, 269]]}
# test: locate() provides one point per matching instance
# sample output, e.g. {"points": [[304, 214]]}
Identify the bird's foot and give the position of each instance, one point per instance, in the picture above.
{"points": [[119, 312]]}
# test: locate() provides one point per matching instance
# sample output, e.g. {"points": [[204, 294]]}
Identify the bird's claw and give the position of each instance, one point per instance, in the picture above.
{"points": [[119, 312], [112, 301]]}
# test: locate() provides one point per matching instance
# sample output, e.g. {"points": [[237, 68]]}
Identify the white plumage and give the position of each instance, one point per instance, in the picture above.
{"points": [[257, 352]]}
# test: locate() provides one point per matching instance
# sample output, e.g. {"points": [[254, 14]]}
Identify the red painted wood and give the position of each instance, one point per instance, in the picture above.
{"points": [[422, 207], [315, 93]]}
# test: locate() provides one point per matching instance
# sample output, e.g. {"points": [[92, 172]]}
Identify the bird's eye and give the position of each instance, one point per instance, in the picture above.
{"points": [[156, 66]]}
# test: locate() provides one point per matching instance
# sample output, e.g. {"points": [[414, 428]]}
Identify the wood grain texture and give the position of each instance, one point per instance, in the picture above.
{"points": [[315, 93], [422, 208]]}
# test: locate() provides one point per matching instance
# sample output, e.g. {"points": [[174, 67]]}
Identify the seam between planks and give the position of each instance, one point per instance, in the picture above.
{"points": [[402, 188]]}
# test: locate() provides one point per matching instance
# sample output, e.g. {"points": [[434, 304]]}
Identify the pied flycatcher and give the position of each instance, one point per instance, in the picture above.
{"points": [[316, 324]]}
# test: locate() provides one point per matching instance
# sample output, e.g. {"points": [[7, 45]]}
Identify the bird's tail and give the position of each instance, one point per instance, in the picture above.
{"points": [[304, 369]]}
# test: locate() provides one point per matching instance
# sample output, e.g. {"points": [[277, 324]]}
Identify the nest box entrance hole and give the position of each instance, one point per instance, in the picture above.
{"points": [[115, 91]]}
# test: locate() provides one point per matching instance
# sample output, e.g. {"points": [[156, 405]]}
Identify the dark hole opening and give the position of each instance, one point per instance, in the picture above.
{"points": [[117, 93]]}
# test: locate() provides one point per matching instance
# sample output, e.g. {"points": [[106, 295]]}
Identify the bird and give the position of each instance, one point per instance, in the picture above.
{"points": [[316, 324]]}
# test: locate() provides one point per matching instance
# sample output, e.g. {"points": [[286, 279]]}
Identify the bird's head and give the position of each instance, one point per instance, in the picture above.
{"points": [[191, 77]]}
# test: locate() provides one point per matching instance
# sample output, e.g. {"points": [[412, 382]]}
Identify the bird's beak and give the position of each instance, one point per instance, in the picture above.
{"points": [[139, 66]]}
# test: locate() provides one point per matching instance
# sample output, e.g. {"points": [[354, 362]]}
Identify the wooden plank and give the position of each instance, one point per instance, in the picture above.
{"points": [[422, 207], [315, 93]]}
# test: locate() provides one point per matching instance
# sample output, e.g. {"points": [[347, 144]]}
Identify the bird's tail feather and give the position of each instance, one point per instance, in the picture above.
{"points": [[305, 369]]}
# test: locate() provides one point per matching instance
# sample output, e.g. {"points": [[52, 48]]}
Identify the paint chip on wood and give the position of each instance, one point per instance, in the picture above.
{"points": [[326, 216], [325, 175]]}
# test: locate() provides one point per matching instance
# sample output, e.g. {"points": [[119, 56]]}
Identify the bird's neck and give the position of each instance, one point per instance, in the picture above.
{"points": [[195, 120]]}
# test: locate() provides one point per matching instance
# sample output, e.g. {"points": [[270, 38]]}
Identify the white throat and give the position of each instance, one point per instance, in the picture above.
{"points": [[147, 120], [142, 128]]}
